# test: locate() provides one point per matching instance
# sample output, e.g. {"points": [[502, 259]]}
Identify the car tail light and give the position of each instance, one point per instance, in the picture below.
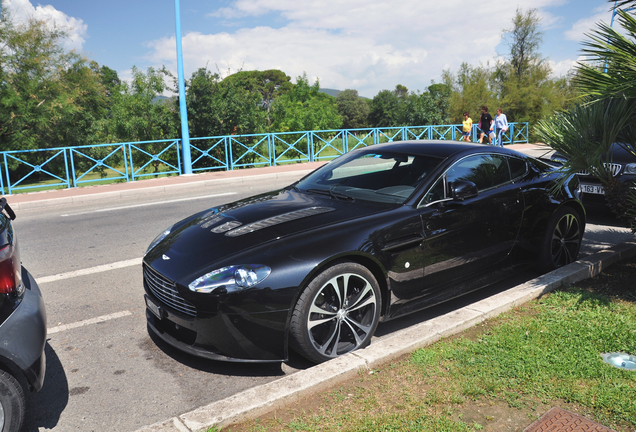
{"points": [[10, 271]]}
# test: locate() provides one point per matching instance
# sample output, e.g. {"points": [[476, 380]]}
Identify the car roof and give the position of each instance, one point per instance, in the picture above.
{"points": [[437, 148]]}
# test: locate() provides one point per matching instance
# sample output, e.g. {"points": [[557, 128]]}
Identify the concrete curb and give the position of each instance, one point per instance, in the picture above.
{"points": [[259, 400], [91, 196]]}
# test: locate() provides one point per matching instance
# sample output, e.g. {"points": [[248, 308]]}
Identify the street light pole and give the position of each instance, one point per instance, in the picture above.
{"points": [[185, 133]]}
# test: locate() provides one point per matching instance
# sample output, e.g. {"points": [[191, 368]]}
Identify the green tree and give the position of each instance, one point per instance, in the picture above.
{"points": [[525, 85], [353, 109], [385, 109], [525, 43], [522, 85], [470, 89], [305, 108], [441, 94], [223, 107], [44, 90], [403, 108], [269, 84], [81, 124], [139, 113]]}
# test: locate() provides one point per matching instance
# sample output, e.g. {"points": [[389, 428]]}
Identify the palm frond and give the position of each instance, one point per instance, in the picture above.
{"points": [[586, 133], [610, 68], [623, 4]]}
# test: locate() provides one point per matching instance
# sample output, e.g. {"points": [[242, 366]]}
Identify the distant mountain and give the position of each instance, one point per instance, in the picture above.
{"points": [[162, 98], [335, 93], [331, 92]]}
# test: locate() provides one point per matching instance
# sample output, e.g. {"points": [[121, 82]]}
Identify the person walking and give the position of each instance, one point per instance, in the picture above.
{"points": [[467, 126], [500, 125], [486, 124]]}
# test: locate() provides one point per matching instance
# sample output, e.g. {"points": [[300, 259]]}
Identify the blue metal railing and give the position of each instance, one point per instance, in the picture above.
{"points": [[67, 167]]}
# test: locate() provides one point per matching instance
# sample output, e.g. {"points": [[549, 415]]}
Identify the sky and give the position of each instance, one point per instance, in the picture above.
{"points": [[367, 45]]}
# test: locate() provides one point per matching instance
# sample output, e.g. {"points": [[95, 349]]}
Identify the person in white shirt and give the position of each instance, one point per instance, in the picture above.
{"points": [[500, 126]]}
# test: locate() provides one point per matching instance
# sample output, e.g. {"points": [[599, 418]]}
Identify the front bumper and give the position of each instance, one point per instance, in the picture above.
{"points": [[237, 337], [23, 334]]}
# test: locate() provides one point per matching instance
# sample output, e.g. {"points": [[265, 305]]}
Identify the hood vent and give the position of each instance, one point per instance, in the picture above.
{"points": [[226, 227], [208, 221], [275, 220]]}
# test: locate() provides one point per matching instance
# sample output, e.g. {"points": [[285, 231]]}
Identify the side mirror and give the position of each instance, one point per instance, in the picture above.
{"points": [[463, 189]]}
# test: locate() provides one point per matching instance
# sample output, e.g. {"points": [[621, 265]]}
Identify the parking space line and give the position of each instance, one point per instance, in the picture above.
{"points": [[88, 271], [149, 204], [83, 323]]}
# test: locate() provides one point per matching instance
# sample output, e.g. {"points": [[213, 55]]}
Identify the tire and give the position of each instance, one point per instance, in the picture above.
{"points": [[336, 313], [562, 240], [12, 403]]}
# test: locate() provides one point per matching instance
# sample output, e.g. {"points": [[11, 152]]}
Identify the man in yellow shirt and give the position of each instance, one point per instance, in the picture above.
{"points": [[467, 127]]}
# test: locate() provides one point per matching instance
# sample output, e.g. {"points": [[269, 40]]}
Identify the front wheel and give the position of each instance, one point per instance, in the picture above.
{"points": [[336, 313], [562, 240], [12, 403]]}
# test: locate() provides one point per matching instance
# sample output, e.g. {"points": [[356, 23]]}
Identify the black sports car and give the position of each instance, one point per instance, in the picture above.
{"points": [[375, 234]]}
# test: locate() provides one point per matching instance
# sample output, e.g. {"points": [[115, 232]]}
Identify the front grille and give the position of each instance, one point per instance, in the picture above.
{"points": [[613, 167], [164, 290]]}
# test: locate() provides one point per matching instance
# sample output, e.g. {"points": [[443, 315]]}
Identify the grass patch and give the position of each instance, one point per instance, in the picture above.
{"points": [[500, 375]]}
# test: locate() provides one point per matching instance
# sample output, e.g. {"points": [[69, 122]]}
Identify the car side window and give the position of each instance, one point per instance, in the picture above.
{"points": [[435, 193], [486, 171], [518, 167]]}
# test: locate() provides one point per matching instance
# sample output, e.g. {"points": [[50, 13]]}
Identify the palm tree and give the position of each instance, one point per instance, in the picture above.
{"points": [[606, 113], [585, 135], [610, 69]]}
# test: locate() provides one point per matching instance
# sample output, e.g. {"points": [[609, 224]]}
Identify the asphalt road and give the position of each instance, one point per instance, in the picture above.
{"points": [[104, 372]]}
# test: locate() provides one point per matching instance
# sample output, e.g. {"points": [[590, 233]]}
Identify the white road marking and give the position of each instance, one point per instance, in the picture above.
{"points": [[88, 271], [148, 204], [83, 323]]}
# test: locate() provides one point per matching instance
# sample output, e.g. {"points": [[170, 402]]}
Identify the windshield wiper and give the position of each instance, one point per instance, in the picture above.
{"points": [[331, 193]]}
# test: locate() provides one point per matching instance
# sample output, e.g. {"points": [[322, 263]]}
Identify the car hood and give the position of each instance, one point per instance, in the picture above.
{"points": [[619, 154], [214, 235]]}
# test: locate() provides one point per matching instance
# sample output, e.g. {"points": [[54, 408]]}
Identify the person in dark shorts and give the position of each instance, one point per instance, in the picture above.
{"points": [[485, 122]]}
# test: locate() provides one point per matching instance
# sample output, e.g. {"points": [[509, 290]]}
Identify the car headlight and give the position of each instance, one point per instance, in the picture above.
{"points": [[630, 169], [157, 239], [231, 279]]}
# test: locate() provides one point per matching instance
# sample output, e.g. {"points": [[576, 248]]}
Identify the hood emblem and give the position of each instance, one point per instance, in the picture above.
{"points": [[165, 257]]}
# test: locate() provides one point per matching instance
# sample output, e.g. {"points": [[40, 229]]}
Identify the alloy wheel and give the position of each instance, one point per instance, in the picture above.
{"points": [[342, 314]]}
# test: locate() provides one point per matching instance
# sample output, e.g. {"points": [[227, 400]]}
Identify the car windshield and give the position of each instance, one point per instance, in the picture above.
{"points": [[379, 177]]}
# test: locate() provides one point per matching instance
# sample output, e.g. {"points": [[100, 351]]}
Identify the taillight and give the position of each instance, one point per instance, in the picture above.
{"points": [[10, 271]]}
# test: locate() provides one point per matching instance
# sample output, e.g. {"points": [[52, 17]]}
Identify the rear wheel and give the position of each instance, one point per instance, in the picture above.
{"points": [[562, 240], [12, 403], [336, 313]]}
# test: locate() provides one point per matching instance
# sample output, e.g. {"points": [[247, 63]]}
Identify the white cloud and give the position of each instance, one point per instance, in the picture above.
{"points": [[23, 10], [583, 26], [562, 68], [358, 44]]}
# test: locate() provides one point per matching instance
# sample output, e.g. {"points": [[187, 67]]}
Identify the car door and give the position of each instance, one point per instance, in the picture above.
{"points": [[464, 238]]}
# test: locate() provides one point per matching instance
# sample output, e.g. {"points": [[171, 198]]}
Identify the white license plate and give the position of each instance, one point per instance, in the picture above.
{"points": [[152, 307], [592, 189]]}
